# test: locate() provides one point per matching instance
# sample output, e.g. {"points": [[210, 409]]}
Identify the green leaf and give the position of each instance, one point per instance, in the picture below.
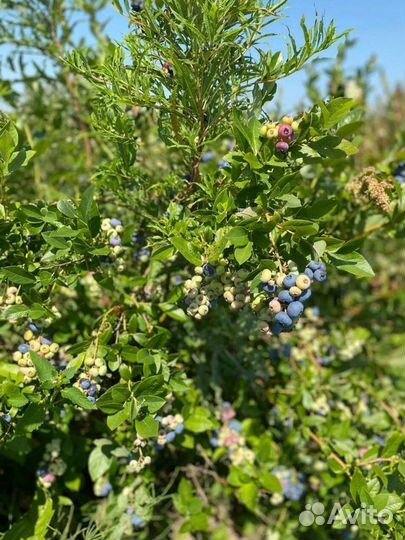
{"points": [[18, 275], [99, 462], [248, 495], [34, 417], [45, 371], [243, 254], [336, 111], [77, 398], [200, 420], [249, 130], [147, 428], [238, 236], [353, 263], [187, 249], [89, 211], [113, 399]]}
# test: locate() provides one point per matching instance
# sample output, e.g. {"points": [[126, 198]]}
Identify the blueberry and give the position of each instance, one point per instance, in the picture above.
{"points": [[143, 255], [235, 425], [270, 289], [316, 311], [46, 341], [7, 418], [289, 281], [105, 490], [85, 384], [137, 521], [138, 238], [24, 348], [92, 399], [170, 436], [33, 328], [214, 442], [295, 310], [137, 6], [277, 329], [92, 391], [313, 265], [209, 270], [320, 276], [308, 272], [306, 295], [115, 222], [222, 164], [179, 429], [207, 157], [284, 319], [115, 241], [285, 297]]}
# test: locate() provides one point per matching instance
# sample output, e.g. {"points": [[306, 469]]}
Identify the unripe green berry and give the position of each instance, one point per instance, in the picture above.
{"points": [[266, 275]]}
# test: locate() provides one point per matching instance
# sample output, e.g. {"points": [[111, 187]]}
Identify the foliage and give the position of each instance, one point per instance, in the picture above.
{"points": [[145, 185]]}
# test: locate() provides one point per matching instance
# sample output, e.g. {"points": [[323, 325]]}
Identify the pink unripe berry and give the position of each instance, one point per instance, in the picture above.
{"points": [[286, 132], [282, 147]]}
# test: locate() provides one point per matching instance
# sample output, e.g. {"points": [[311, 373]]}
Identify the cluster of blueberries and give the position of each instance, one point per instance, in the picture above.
{"points": [[284, 133], [113, 228], [291, 483], [210, 156], [88, 387], [399, 173], [171, 427], [288, 306], [144, 253]]}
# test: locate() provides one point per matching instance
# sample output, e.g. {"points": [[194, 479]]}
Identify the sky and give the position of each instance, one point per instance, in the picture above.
{"points": [[378, 27]]}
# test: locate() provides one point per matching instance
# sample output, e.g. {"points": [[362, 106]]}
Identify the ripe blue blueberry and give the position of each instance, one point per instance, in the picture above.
{"points": [[33, 327], [285, 297], [270, 289], [137, 6], [235, 425], [115, 241], [179, 429], [222, 164], [92, 391], [137, 522], [7, 418], [209, 270], [105, 490], [399, 173], [289, 281], [295, 310], [85, 384], [46, 341], [277, 329], [207, 157], [320, 276], [308, 272], [23, 348], [284, 319], [115, 222], [170, 436], [214, 442], [313, 265], [92, 399], [306, 295]]}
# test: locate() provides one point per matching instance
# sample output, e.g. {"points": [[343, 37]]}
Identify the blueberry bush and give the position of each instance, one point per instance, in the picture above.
{"points": [[201, 290]]}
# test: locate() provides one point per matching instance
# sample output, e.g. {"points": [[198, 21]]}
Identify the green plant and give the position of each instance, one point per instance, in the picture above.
{"points": [[131, 395]]}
